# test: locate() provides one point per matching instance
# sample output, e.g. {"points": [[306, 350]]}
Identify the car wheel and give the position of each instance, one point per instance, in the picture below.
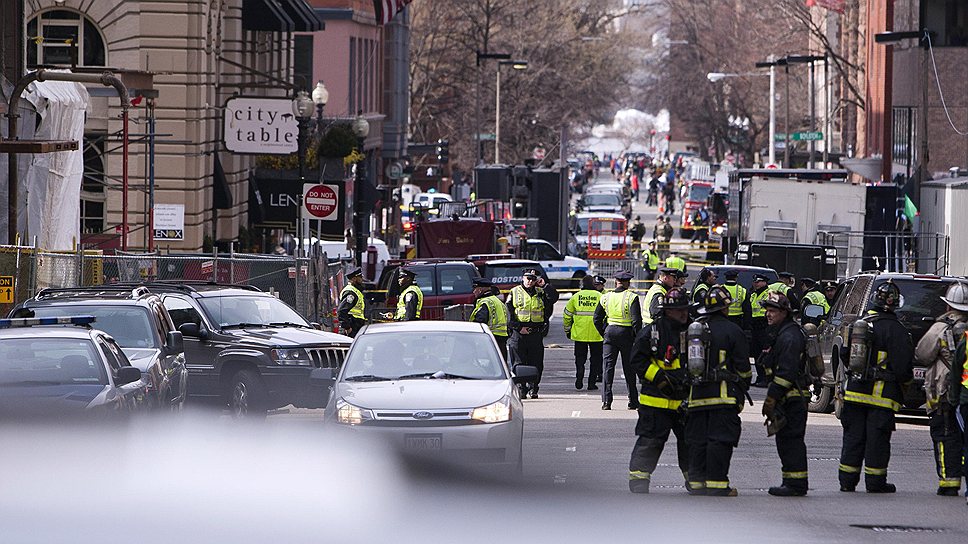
{"points": [[247, 395], [839, 391], [820, 397]]}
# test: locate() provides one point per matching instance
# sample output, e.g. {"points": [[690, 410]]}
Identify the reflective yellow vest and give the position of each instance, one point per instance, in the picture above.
{"points": [[402, 305], [738, 293], [755, 299], [357, 310], [579, 316], [652, 260], [778, 287], [816, 297], [618, 307], [676, 262], [657, 289], [497, 314], [527, 308]]}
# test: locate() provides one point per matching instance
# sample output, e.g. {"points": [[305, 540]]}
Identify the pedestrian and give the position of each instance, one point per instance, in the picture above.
{"points": [[759, 328], [410, 301], [668, 278], [579, 323], [659, 365], [637, 232], [879, 366], [700, 224], [669, 197], [490, 310], [653, 199], [618, 319], [650, 260], [785, 407], [720, 379], [936, 352], [351, 311], [739, 309], [530, 306], [830, 291]]}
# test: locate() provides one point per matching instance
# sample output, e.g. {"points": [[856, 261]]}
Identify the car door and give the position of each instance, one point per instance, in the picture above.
{"points": [[172, 363], [201, 351], [830, 329], [131, 397]]}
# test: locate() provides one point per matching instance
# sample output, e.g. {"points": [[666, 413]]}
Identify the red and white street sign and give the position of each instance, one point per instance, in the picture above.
{"points": [[321, 201]]}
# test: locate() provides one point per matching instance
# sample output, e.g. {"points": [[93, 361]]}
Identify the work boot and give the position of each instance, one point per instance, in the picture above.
{"points": [[848, 488], [639, 486], [606, 406], [882, 488], [697, 491], [728, 492], [534, 392], [524, 392], [633, 405], [592, 387], [579, 383], [948, 491], [784, 491]]}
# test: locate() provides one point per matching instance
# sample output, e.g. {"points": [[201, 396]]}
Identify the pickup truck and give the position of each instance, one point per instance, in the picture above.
{"points": [[444, 283]]}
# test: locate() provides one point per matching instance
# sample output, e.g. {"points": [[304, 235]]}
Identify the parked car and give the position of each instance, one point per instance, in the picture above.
{"points": [[439, 388], [921, 304], [50, 370], [136, 319], [563, 271], [607, 201], [248, 350], [506, 273], [443, 282]]}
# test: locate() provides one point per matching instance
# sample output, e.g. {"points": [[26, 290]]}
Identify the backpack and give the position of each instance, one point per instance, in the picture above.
{"points": [[667, 230]]}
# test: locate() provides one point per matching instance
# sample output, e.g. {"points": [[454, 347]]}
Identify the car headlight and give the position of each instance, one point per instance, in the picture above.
{"points": [[298, 357], [496, 412], [348, 414]]}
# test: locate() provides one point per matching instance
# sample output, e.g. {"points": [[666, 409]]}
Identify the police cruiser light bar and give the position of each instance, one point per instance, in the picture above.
{"points": [[32, 321]]}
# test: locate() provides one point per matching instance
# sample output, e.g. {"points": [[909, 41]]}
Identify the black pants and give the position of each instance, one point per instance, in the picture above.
{"points": [[528, 349], [582, 350], [867, 441], [946, 436], [711, 435], [790, 445], [653, 430], [759, 340], [502, 344], [618, 340]]}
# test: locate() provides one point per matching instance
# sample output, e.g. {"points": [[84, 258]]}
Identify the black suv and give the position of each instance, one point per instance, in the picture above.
{"points": [[920, 306], [137, 321], [248, 350]]}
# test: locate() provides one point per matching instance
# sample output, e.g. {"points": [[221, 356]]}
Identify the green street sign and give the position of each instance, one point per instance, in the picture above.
{"points": [[807, 136], [486, 136], [779, 137]]}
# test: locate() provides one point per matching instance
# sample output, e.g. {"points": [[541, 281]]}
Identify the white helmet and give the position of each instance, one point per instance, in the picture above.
{"points": [[957, 296]]}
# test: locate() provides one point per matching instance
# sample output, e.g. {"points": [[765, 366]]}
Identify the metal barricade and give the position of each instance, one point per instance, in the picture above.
{"points": [[458, 312]]}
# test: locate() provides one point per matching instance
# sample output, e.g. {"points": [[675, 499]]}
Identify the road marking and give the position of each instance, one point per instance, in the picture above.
{"points": [[560, 478], [571, 448], [576, 413]]}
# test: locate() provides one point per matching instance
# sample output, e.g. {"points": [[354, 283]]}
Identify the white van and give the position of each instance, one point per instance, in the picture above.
{"points": [[338, 250]]}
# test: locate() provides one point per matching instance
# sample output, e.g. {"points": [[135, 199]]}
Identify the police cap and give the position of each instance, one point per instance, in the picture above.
{"points": [[483, 282], [353, 272], [808, 282], [760, 277], [622, 275], [531, 273], [669, 271], [600, 280], [731, 274], [405, 271], [786, 275]]}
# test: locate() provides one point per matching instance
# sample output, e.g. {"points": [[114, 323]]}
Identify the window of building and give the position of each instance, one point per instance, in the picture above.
{"points": [[302, 61], [948, 19], [904, 144], [54, 37]]}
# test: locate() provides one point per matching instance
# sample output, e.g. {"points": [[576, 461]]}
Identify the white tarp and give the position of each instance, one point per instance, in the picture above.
{"points": [[53, 181]]}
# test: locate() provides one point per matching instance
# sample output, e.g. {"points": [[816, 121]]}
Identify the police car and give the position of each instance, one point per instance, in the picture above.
{"points": [[61, 366], [563, 270]]}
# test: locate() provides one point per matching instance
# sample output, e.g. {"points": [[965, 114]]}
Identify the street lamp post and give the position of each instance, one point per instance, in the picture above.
{"points": [[320, 98], [517, 65], [361, 128], [477, 110], [810, 60], [302, 108]]}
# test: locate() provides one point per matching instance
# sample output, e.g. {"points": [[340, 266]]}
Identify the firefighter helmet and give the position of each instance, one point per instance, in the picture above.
{"points": [[716, 298], [777, 300], [675, 299], [957, 296], [887, 297]]}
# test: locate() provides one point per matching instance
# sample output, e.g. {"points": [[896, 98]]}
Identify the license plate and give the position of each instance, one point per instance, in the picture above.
{"points": [[423, 442], [919, 373]]}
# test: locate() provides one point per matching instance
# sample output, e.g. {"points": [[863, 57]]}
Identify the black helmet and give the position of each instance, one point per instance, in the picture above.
{"points": [[777, 300], [716, 298], [674, 300], [887, 297]]}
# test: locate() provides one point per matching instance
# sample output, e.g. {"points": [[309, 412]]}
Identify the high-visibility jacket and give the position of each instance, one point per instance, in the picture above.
{"points": [[755, 299], [738, 293], [618, 307], [651, 259], [816, 297], [527, 308], [657, 290], [402, 303], [579, 316], [676, 262], [497, 314], [778, 287], [358, 309]]}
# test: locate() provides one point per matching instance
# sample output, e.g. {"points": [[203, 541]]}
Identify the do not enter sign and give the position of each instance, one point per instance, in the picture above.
{"points": [[321, 201]]}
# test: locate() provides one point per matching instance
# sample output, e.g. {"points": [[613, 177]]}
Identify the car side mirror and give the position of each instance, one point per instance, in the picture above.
{"points": [[127, 374], [813, 311], [316, 326], [190, 330], [524, 373], [175, 343]]}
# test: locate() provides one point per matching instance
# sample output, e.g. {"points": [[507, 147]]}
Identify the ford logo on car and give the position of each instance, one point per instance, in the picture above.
{"points": [[423, 415]]}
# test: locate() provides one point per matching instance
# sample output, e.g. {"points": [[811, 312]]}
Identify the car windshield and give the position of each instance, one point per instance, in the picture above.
{"points": [[505, 273], [416, 355], [921, 298], [603, 199], [50, 361], [130, 326], [699, 193], [236, 311]]}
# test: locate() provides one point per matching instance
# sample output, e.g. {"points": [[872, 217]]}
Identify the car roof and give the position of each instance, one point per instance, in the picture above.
{"points": [[425, 326], [47, 331], [602, 215], [739, 267], [909, 276], [513, 262]]}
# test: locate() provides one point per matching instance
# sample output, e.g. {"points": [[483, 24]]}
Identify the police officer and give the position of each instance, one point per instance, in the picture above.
{"points": [[351, 309], [668, 277], [530, 306], [829, 291], [874, 391], [579, 322], [677, 262], [716, 397], [410, 301], [785, 408], [650, 260], [739, 307], [784, 285], [707, 278], [656, 360], [618, 318], [759, 328], [491, 311], [812, 296], [936, 352]]}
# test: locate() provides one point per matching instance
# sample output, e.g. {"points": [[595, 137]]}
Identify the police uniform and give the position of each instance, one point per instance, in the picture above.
{"points": [[870, 401], [780, 287], [739, 307], [655, 294], [651, 258], [664, 385], [491, 311], [785, 399], [530, 309], [579, 323], [351, 311], [759, 331], [410, 301], [618, 318], [715, 399], [815, 297]]}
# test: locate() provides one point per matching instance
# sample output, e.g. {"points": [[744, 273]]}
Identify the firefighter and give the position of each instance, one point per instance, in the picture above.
{"points": [[739, 308], [351, 311], [958, 391], [668, 277], [650, 261], [410, 302], [936, 352], [618, 319], [812, 296], [530, 306], [656, 360], [720, 373], [879, 356], [579, 322], [491, 311], [759, 329], [785, 408]]}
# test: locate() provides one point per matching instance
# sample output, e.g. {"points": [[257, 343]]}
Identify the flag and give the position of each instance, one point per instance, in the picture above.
{"points": [[386, 10], [910, 210]]}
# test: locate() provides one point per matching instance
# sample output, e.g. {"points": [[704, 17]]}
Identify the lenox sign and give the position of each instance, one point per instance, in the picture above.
{"points": [[260, 125]]}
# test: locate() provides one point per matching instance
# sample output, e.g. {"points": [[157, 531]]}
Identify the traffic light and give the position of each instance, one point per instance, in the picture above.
{"points": [[443, 151]]}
